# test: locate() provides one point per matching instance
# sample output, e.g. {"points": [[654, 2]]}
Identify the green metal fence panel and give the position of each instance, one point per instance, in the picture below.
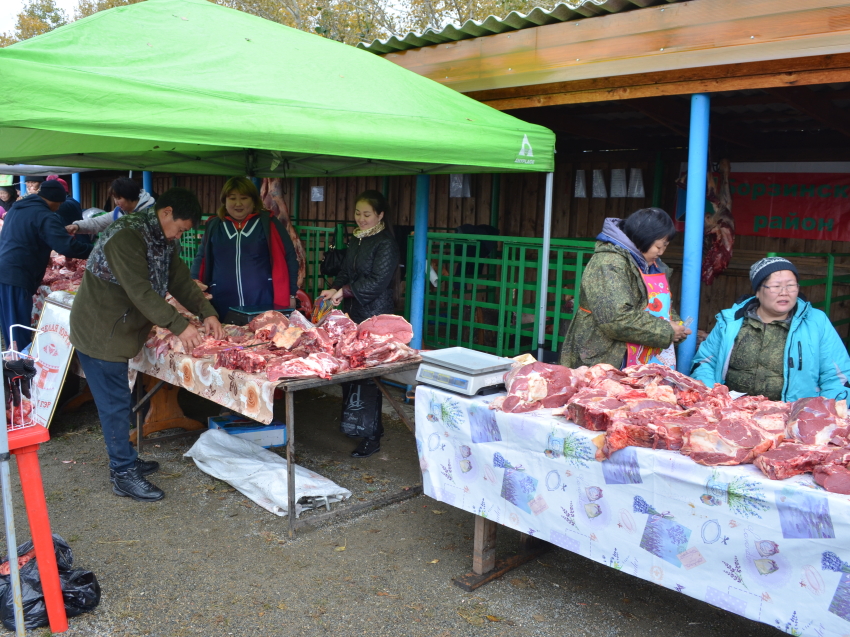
{"points": [[316, 240], [189, 243], [489, 302]]}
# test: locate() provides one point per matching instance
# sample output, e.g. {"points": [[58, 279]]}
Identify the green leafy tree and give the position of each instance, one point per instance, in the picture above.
{"points": [[86, 8], [37, 17]]}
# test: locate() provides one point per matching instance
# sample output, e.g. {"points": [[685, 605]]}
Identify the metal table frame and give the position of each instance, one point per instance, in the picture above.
{"points": [[289, 388]]}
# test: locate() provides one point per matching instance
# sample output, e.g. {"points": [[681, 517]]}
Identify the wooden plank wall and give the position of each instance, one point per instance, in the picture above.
{"points": [[521, 213]]}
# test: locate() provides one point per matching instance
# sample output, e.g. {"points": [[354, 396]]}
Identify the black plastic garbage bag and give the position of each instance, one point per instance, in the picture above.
{"points": [[80, 588], [361, 409]]}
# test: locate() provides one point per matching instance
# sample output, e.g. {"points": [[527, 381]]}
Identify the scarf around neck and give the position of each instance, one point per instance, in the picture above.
{"points": [[362, 234]]}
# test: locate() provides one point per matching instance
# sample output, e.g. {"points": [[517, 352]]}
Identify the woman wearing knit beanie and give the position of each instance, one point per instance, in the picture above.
{"points": [[774, 343]]}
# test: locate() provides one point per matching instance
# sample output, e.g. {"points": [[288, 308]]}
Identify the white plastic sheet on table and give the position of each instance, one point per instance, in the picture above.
{"points": [[258, 473], [777, 552]]}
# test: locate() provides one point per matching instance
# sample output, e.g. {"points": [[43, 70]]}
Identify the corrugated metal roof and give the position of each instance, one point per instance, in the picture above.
{"points": [[563, 12]]}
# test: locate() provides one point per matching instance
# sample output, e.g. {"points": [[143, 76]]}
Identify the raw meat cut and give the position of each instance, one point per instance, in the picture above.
{"points": [[337, 325], [287, 338], [245, 359], [593, 409], [540, 385], [210, 348], [386, 326], [790, 459], [834, 478], [268, 318], [313, 365], [298, 320], [237, 333], [389, 352], [720, 226], [813, 420], [736, 439]]}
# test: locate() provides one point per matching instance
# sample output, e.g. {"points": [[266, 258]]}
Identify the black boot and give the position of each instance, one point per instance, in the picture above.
{"points": [[145, 467], [133, 484], [366, 448]]}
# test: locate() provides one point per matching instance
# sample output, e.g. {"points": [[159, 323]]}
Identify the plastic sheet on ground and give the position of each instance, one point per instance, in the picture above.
{"points": [[258, 473]]}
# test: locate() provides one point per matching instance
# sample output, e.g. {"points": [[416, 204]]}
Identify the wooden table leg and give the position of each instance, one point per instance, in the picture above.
{"points": [[485, 566], [289, 407], [398, 409], [164, 413], [484, 548]]}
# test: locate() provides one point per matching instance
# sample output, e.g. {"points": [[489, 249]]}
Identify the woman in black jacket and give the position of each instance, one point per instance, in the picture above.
{"points": [[365, 287]]}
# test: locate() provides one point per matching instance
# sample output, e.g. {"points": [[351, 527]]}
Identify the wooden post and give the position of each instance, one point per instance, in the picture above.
{"points": [[290, 459], [484, 549]]}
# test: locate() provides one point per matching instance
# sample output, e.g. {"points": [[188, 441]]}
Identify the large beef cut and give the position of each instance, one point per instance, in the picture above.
{"points": [[719, 226], [297, 319], [813, 420], [266, 320], [539, 385], [736, 439], [790, 459], [211, 347], [653, 428], [593, 409], [834, 478], [386, 326], [321, 365], [337, 325]]}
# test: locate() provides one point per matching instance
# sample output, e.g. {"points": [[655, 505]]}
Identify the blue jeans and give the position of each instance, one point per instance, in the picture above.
{"points": [[15, 309], [111, 390]]}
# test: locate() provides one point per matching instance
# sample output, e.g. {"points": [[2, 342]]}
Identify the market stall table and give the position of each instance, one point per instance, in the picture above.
{"points": [[776, 552], [248, 394]]}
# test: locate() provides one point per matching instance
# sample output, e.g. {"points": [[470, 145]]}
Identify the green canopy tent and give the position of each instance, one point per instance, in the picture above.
{"points": [[188, 86]]}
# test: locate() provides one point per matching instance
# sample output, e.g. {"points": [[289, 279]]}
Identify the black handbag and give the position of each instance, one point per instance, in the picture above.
{"points": [[332, 261]]}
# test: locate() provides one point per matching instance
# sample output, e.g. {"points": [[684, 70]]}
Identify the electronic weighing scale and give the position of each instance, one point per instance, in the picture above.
{"points": [[463, 370]]}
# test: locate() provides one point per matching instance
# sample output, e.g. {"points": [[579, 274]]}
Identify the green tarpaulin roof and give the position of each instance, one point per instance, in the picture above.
{"points": [[189, 86]]}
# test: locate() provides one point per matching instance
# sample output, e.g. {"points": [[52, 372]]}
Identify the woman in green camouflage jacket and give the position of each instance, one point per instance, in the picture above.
{"points": [[624, 313]]}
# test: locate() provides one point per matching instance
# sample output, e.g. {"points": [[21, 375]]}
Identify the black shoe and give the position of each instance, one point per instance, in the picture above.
{"points": [[366, 448], [145, 467], [133, 484]]}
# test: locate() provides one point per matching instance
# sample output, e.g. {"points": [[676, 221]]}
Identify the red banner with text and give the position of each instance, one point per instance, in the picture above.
{"points": [[794, 205]]}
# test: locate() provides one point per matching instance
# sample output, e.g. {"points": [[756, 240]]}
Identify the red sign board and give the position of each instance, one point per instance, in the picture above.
{"points": [[792, 205]]}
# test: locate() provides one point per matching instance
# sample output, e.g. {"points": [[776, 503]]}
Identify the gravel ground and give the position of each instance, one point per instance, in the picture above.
{"points": [[206, 561]]}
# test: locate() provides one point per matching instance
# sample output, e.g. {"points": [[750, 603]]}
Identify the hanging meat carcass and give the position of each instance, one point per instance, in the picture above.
{"points": [[719, 226], [271, 192]]}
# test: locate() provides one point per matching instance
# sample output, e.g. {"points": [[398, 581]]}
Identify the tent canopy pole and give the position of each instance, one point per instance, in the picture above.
{"points": [[543, 295], [420, 265]]}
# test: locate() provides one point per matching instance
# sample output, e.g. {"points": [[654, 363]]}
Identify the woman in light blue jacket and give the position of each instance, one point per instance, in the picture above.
{"points": [[774, 343]]}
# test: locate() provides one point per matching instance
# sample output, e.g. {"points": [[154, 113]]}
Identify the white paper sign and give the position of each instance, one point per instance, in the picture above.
{"points": [[53, 351]]}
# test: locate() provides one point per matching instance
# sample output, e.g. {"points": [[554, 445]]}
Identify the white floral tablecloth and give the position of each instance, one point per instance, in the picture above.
{"points": [[251, 395], [776, 552]]}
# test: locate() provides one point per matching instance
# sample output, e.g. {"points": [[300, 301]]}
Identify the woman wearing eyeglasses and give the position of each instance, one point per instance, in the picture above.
{"points": [[774, 343]]}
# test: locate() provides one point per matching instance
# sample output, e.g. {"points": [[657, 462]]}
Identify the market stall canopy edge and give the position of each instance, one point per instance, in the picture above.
{"points": [[188, 86]]}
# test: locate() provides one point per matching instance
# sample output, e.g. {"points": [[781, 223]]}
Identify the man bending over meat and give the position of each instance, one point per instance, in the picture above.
{"points": [[132, 267], [775, 343]]}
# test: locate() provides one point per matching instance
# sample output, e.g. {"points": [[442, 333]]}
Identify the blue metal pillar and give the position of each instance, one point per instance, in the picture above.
{"points": [[76, 191], [147, 181], [258, 182], [694, 224], [23, 186], [420, 261]]}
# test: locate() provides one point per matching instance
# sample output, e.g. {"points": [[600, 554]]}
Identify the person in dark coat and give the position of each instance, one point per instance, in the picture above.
{"points": [[365, 287], [69, 210], [31, 230], [246, 256]]}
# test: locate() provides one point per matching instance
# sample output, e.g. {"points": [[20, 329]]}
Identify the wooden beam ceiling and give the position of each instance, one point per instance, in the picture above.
{"points": [[811, 103], [581, 127]]}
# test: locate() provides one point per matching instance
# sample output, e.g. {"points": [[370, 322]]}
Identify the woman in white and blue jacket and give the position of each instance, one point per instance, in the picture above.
{"points": [[774, 343]]}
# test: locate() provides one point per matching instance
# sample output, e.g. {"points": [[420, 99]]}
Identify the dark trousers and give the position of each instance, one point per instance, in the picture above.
{"points": [[111, 390], [15, 309]]}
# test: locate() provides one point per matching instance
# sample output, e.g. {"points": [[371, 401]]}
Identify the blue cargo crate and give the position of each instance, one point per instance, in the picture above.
{"points": [[272, 435]]}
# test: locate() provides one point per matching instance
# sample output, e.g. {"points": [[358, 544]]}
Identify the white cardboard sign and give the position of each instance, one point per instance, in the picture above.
{"points": [[53, 350]]}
